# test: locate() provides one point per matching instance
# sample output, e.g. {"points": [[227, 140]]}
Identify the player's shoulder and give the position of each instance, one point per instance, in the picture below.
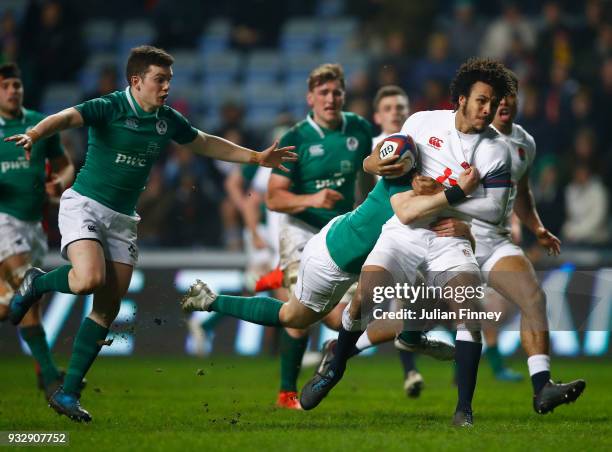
{"points": [[167, 112], [433, 118], [33, 116], [296, 133], [522, 136], [353, 120], [493, 146]]}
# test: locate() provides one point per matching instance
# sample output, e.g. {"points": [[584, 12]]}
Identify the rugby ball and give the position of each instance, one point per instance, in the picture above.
{"points": [[405, 147]]}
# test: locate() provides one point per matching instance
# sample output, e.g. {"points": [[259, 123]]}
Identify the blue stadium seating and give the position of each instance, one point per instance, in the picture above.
{"points": [[59, 96]]}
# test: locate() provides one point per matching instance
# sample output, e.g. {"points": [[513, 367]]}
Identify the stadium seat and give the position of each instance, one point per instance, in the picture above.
{"points": [[263, 101], [262, 66], [216, 37], [299, 35], [352, 63], [221, 67], [295, 95], [187, 67], [59, 96], [100, 35], [213, 95], [337, 36], [298, 66], [134, 33]]}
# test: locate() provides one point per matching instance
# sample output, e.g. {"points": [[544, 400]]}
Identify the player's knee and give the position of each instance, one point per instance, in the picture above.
{"points": [[88, 283]]}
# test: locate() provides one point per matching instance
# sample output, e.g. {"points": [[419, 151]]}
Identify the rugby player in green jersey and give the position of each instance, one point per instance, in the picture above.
{"points": [[23, 190], [127, 132], [321, 185]]}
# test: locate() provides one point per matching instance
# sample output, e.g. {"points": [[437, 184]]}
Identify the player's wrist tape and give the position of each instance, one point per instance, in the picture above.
{"points": [[33, 134], [454, 194]]}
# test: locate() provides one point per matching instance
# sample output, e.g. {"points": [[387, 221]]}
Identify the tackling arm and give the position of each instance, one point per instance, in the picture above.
{"points": [[409, 207]]}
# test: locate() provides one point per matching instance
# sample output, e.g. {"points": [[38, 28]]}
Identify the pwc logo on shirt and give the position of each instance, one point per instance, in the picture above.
{"points": [[130, 160], [435, 142]]}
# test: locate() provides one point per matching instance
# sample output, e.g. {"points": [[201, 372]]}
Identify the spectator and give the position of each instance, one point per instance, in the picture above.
{"points": [[107, 83], [435, 97], [437, 64], [586, 203], [51, 45], [499, 35]]}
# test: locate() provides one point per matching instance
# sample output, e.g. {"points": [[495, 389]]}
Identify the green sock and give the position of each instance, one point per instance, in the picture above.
{"points": [[34, 336], [260, 310], [212, 321], [54, 281], [411, 337], [84, 351], [292, 351], [495, 359]]}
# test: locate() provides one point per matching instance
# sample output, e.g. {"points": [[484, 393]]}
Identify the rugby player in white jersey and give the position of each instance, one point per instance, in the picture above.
{"points": [[507, 270], [449, 142]]}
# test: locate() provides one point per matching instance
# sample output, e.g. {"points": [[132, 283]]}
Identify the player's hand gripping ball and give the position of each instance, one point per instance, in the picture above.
{"points": [[402, 146]]}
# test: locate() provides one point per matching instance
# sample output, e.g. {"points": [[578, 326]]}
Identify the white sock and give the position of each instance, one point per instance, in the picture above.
{"points": [[363, 342], [465, 335], [538, 363]]}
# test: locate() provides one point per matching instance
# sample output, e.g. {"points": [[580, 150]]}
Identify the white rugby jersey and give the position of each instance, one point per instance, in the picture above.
{"points": [[445, 153], [522, 154], [378, 139]]}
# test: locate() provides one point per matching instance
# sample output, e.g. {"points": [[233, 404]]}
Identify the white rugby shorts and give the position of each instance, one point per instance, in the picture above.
{"points": [[490, 249], [402, 250], [18, 236], [321, 285], [294, 234], [81, 218]]}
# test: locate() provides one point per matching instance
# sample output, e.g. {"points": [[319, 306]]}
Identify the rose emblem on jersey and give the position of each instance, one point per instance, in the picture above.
{"points": [[161, 126], [352, 143]]}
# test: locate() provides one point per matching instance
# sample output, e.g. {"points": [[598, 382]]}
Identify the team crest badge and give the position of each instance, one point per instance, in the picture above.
{"points": [[521, 153], [162, 127], [352, 143]]}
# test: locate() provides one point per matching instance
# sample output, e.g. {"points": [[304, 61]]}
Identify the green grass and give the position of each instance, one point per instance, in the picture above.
{"points": [[162, 404]]}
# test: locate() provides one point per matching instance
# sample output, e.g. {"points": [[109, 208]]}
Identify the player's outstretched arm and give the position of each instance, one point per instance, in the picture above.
{"points": [[410, 206], [525, 209], [221, 149], [65, 119]]}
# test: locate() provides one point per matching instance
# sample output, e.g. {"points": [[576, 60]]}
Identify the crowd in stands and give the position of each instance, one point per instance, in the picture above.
{"points": [[241, 67]]}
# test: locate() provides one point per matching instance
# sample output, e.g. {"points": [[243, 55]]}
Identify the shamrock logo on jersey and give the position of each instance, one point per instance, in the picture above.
{"points": [[162, 127], [352, 143]]}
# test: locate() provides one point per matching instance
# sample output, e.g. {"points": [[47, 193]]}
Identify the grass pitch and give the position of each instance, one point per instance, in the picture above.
{"points": [[226, 403]]}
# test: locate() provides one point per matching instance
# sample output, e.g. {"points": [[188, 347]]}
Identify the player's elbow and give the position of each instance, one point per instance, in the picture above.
{"points": [[273, 201]]}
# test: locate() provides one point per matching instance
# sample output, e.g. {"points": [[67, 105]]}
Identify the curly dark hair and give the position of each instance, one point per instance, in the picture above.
{"points": [[483, 70]]}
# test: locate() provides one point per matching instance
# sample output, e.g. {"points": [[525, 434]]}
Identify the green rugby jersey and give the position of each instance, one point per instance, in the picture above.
{"points": [[327, 159], [22, 182], [124, 142], [353, 236]]}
